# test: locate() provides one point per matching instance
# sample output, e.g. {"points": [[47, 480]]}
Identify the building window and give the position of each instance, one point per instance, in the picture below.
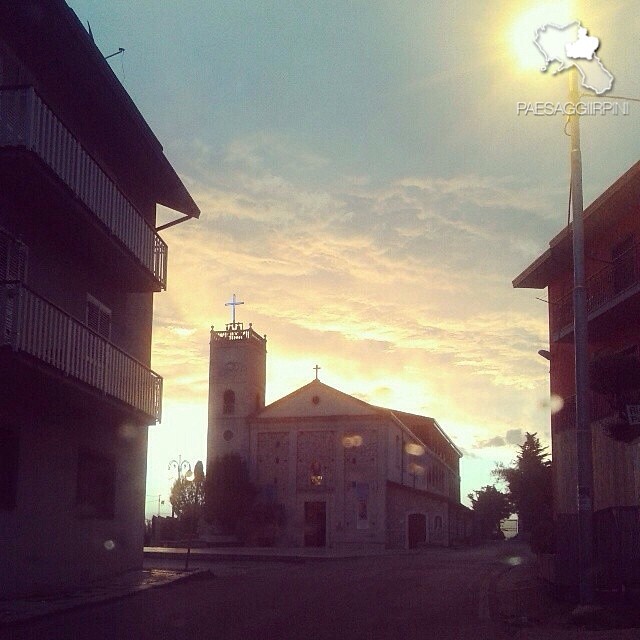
{"points": [[8, 469], [362, 498], [229, 402], [316, 478], [96, 489], [98, 317]]}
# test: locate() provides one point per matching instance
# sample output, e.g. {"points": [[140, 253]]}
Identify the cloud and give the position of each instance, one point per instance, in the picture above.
{"points": [[496, 441], [400, 291], [513, 437]]}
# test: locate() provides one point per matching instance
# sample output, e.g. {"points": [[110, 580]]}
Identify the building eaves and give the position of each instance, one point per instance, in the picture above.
{"points": [[409, 419], [54, 39], [603, 211]]}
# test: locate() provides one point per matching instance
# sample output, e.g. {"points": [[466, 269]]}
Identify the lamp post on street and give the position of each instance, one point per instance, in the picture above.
{"points": [[584, 452], [183, 469]]}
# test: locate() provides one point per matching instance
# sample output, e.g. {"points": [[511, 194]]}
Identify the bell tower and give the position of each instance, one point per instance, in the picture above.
{"points": [[237, 379]]}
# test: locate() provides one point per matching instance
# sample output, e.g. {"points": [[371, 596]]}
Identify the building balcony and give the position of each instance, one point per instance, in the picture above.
{"points": [[27, 123], [565, 419], [611, 292], [32, 327]]}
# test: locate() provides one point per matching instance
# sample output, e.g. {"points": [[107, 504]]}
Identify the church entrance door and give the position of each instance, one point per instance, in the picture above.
{"points": [[315, 524], [417, 529]]}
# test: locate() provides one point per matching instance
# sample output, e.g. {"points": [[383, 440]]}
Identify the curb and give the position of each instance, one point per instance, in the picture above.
{"points": [[210, 555], [10, 619]]}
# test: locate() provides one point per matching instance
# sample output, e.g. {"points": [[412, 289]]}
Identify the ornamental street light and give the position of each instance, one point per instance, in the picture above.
{"points": [[183, 469]]}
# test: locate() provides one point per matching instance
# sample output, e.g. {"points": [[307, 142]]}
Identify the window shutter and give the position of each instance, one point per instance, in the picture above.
{"points": [[98, 317], [4, 256], [13, 258]]}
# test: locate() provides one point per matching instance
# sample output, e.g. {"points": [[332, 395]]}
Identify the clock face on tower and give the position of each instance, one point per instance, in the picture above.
{"points": [[231, 367]]}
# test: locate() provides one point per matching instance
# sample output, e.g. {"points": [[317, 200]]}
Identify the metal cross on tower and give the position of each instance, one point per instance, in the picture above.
{"points": [[233, 304], [317, 368]]}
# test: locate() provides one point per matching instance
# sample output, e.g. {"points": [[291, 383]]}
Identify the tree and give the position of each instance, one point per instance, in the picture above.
{"points": [[490, 507], [188, 497], [529, 488], [229, 492]]}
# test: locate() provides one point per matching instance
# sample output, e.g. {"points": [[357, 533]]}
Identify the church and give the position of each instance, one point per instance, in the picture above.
{"points": [[348, 475]]}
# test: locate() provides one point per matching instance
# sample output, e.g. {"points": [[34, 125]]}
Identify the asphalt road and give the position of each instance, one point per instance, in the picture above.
{"points": [[435, 594]]}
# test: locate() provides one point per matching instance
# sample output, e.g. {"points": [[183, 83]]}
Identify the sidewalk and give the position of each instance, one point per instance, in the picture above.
{"points": [[20, 609], [521, 602]]}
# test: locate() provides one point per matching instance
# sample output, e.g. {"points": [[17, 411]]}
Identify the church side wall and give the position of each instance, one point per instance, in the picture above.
{"points": [[403, 501], [418, 467]]}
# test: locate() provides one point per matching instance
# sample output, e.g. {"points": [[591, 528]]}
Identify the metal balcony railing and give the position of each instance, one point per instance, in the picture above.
{"points": [[612, 281], [27, 122], [564, 419], [31, 325], [236, 331]]}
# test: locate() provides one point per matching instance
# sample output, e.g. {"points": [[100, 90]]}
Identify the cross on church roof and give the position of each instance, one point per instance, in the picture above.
{"points": [[233, 304], [317, 368]]}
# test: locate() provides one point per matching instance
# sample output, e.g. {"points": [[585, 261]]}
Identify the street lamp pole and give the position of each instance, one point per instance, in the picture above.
{"points": [[584, 452], [180, 465]]}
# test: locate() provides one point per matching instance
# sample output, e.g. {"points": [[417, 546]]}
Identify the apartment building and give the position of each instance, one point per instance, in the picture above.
{"points": [[80, 259]]}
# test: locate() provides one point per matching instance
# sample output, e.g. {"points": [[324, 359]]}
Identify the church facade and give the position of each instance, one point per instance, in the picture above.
{"points": [[347, 475]]}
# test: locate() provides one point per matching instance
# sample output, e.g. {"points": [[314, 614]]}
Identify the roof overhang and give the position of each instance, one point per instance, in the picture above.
{"points": [[599, 215], [50, 38]]}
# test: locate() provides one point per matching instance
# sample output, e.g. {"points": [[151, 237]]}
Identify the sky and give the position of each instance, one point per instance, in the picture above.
{"points": [[369, 191]]}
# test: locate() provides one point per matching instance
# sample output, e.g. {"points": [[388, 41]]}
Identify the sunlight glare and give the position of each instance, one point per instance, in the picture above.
{"points": [[556, 403], [352, 441], [414, 449], [523, 28]]}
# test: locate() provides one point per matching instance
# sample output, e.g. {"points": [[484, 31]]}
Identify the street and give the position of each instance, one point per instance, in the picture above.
{"points": [[437, 593]]}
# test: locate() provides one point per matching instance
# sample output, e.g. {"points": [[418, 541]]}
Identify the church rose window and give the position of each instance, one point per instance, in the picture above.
{"points": [[228, 402]]}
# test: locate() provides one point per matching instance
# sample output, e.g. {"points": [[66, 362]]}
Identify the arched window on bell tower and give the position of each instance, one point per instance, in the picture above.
{"points": [[229, 402]]}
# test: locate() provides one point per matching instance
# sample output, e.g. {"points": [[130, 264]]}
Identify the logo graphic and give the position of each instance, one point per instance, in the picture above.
{"points": [[571, 46]]}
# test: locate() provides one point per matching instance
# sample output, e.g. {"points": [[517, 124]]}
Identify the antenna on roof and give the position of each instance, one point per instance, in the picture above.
{"points": [[118, 52], [90, 32]]}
